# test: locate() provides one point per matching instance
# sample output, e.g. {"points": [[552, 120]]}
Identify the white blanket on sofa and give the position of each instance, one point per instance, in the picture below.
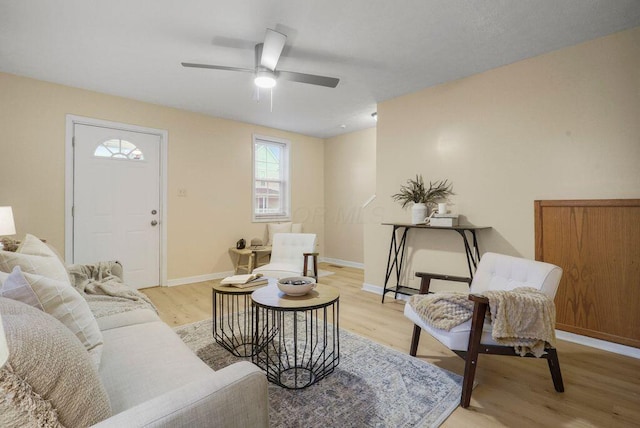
{"points": [[104, 291]]}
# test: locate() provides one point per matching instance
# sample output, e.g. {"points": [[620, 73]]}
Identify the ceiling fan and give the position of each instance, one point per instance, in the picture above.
{"points": [[267, 55]]}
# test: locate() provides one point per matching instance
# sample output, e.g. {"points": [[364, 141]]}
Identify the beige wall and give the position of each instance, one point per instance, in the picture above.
{"points": [[349, 181], [564, 125], [209, 157]]}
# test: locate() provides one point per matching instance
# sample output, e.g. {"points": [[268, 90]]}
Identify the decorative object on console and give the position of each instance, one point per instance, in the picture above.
{"points": [[256, 243], [443, 220], [7, 225], [241, 244], [422, 199]]}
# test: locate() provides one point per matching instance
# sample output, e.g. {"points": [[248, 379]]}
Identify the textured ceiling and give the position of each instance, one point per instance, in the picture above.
{"points": [[378, 49]]}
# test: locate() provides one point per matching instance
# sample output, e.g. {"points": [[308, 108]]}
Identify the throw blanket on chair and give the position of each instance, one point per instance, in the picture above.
{"points": [[104, 291], [523, 317], [443, 310]]}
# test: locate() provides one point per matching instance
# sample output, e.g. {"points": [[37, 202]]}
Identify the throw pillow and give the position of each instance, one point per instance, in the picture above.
{"points": [[34, 256], [16, 290], [61, 301], [49, 379], [273, 228]]}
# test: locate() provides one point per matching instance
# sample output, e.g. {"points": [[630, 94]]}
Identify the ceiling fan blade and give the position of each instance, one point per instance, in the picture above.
{"points": [[312, 79], [216, 67], [272, 49]]}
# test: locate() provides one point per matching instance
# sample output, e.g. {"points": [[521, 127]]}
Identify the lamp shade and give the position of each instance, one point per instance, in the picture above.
{"points": [[7, 226], [4, 348]]}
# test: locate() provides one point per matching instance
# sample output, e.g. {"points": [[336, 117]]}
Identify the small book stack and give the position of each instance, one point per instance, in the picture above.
{"points": [[245, 281], [444, 220]]}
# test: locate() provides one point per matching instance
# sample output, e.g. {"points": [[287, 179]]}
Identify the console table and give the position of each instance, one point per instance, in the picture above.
{"points": [[397, 252]]}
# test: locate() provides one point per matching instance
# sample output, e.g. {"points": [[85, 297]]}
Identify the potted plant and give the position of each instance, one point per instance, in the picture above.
{"points": [[416, 194]]}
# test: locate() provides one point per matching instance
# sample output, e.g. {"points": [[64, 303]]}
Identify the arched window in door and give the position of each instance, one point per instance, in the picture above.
{"points": [[118, 149]]}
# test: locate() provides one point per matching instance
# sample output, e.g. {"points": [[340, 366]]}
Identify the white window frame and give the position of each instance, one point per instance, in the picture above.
{"points": [[285, 174]]}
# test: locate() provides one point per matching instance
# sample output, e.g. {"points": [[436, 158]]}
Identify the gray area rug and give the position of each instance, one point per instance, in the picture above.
{"points": [[374, 386]]}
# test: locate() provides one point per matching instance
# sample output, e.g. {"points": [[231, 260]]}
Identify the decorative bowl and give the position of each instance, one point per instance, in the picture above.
{"points": [[296, 285]]}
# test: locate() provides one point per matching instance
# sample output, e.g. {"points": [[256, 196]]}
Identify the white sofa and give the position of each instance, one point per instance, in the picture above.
{"points": [[153, 379], [146, 375]]}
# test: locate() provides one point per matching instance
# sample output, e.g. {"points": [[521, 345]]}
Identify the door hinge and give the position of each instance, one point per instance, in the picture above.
{"points": [[73, 211], [73, 141]]}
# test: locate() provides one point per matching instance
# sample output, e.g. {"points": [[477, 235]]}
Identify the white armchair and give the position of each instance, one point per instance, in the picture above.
{"points": [[290, 255], [473, 337]]}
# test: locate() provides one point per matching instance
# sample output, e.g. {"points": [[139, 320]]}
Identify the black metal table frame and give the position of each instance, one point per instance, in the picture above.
{"points": [[233, 322], [397, 253], [304, 359]]}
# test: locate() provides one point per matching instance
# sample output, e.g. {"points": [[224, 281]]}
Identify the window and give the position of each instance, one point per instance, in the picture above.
{"points": [[118, 149], [271, 188]]}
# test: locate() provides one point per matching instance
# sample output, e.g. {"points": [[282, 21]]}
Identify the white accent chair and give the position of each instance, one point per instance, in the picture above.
{"points": [[467, 340], [290, 255]]}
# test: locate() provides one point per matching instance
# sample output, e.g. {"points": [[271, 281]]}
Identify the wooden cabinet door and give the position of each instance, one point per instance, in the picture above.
{"points": [[597, 244]]}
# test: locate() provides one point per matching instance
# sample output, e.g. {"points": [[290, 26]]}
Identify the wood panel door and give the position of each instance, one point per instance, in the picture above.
{"points": [[597, 243]]}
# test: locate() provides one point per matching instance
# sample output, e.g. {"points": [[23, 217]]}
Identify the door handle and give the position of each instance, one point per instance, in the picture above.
{"points": [[154, 222]]}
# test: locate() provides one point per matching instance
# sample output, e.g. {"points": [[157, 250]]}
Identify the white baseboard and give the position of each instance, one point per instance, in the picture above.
{"points": [[198, 278], [345, 263], [562, 335], [376, 289], [220, 275], [371, 288], [616, 348]]}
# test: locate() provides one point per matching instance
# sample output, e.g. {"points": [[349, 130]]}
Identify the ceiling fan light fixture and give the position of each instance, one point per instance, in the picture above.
{"points": [[265, 79]]}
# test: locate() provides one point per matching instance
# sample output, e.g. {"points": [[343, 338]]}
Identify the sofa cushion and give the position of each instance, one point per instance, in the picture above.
{"points": [[457, 338], [60, 300], [34, 256], [161, 362], [49, 378], [122, 319]]}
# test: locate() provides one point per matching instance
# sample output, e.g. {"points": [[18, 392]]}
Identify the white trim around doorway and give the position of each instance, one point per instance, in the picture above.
{"points": [[71, 121]]}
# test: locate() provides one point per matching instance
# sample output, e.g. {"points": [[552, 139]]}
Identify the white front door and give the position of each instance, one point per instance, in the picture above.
{"points": [[116, 201]]}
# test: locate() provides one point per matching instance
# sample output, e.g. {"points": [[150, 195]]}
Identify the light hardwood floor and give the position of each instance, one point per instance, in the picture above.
{"points": [[601, 389]]}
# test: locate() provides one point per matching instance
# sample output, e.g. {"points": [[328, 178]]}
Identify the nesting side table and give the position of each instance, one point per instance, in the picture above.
{"points": [[297, 337], [234, 318]]}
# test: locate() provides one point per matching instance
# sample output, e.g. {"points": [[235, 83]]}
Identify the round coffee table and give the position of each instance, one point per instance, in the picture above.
{"points": [[297, 337], [234, 318]]}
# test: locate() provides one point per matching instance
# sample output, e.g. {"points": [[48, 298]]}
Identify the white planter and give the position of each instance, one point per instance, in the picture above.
{"points": [[418, 213]]}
